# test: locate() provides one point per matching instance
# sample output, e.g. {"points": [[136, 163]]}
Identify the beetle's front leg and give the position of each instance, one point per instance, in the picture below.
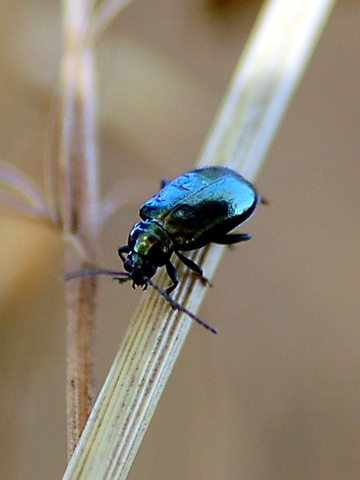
{"points": [[123, 249], [171, 270], [194, 267]]}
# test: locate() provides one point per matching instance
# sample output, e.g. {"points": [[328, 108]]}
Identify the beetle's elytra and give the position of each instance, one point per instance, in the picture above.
{"points": [[197, 208]]}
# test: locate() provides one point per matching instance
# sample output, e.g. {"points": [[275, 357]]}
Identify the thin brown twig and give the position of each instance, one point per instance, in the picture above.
{"points": [[76, 180], [104, 13]]}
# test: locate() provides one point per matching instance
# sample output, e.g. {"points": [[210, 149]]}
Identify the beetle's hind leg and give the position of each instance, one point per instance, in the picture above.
{"points": [[231, 238], [171, 270], [194, 267]]}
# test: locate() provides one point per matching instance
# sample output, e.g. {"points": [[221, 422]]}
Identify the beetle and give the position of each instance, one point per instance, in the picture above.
{"points": [[197, 208]]}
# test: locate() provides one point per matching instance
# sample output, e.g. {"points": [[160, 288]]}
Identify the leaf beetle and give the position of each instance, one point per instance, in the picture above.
{"points": [[197, 208]]}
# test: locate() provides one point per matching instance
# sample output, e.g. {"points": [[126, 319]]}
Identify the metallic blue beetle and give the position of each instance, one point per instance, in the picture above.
{"points": [[195, 209], [199, 207]]}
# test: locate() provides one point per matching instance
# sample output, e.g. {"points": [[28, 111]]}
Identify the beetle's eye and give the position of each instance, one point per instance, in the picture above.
{"points": [[128, 265]]}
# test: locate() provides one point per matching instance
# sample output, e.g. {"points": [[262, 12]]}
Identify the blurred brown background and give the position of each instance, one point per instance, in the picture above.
{"points": [[276, 394]]}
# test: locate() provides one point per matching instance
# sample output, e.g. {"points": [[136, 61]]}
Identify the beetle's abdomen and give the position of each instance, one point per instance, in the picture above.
{"points": [[202, 204], [224, 207]]}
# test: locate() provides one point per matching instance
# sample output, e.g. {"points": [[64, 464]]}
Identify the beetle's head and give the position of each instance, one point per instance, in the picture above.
{"points": [[139, 269], [149, 247]]}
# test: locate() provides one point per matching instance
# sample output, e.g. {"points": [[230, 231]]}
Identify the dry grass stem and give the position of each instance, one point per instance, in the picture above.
{"points": [[76, 186], [268, 72], [104, 13], [18, 192]]}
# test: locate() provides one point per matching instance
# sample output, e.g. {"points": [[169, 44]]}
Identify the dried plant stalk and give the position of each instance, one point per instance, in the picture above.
{"points": [[104, 13], [268, 72], [76, 190]]}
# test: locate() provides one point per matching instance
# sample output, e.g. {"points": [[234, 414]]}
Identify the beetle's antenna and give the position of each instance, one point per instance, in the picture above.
{"points": [[177, 306], [124, 277], [88, 272]]}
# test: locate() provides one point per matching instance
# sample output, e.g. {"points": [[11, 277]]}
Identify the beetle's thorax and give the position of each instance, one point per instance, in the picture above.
{"points": [[151, 240], [150, 247]]}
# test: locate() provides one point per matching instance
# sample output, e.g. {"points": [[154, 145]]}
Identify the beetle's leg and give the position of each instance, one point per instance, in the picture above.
{"points": [[123, 249], [231, 238], [193, 266], [163, 183], [171, 270]]}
